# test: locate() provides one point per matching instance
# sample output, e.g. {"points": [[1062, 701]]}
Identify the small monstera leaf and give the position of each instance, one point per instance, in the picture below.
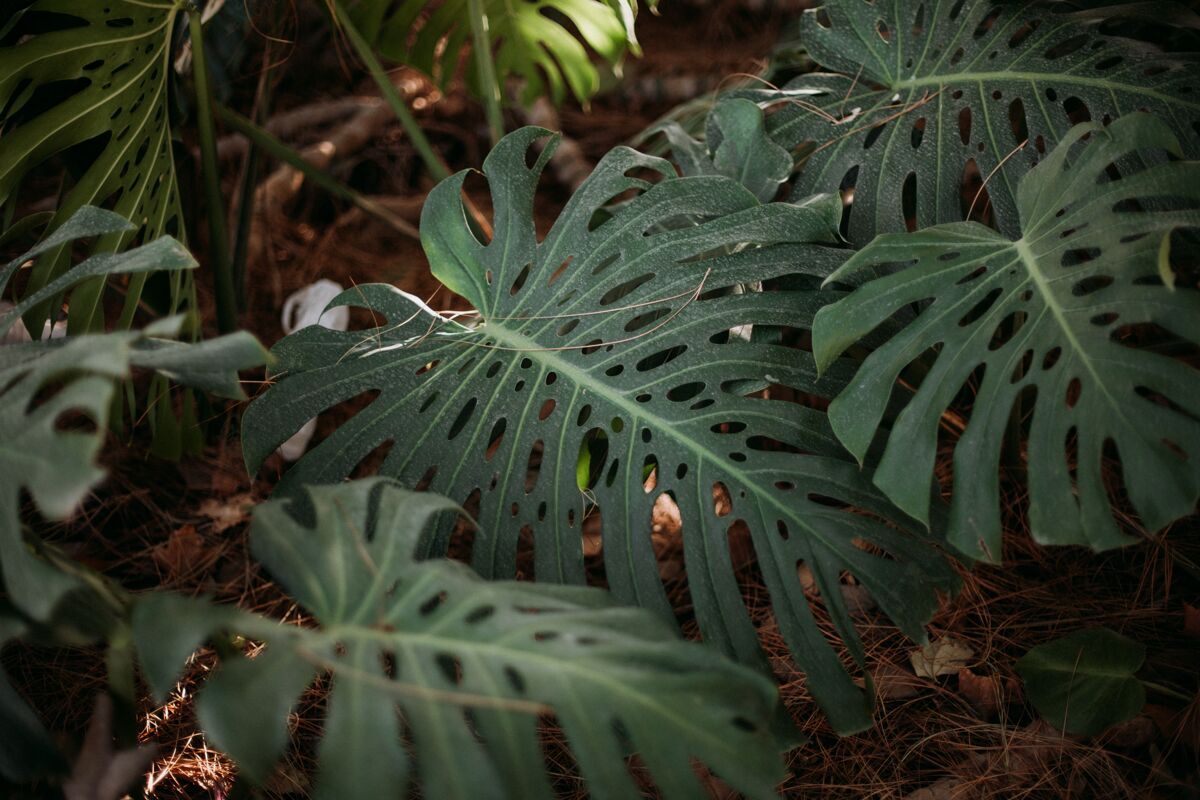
{"points": [[1085, 681], [1054, 319], [532, 39], [88, 82], [931, 94], [600, 371], [55, 462], [465, 666], [736, 146]]}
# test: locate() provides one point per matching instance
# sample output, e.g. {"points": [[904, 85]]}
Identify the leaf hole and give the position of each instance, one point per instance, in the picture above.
{"points": [[432, 604], [980, 308], [1074, 391], [495, 438], [1091, 285], [460, 422]]}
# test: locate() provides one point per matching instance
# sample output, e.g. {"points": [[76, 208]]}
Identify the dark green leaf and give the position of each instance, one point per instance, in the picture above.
{"points": [[464, 664], [1084, 682], [88, 81], [1049, 318], [934, 97], [612, 339]]}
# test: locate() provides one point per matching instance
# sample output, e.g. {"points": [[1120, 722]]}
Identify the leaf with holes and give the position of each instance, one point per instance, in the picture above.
{"points": [[600, 371], [933, 98], [469, 665], [88, 82], [532, 39], [48, 386], [1066, 323]]}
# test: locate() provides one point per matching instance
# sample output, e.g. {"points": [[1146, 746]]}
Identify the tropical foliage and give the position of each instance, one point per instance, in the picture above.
{"points": [[612, 343], [470, 664]]}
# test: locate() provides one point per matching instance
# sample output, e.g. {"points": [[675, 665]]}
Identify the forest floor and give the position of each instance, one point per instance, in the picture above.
{"points": [[965, 734]]}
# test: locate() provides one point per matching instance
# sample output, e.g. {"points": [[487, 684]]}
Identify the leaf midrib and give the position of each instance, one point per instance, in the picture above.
{"points": [[575, 667], [1036, 77], [550, 358], [1029, 261]]}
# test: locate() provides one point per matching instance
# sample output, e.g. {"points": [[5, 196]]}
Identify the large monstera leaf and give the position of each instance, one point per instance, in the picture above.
{"points": [[89, 81], [600, 363], [44, 385], [1055, 320], [463, 665], [927, 93], [535, 40]]}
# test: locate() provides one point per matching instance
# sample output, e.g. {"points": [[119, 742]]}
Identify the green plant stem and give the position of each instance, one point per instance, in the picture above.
{"points": [[218, 236], [1167, 690], [264, 141], [432, 161], [489, 85], [121, 685]]}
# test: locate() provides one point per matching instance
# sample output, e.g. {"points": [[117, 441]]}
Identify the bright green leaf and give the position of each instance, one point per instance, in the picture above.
{"points": [[543, 49]]}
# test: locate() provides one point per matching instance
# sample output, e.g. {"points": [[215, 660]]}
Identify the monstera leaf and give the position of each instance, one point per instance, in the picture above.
{"points": [[463, 665], [598, 372], [88, 82], [1054, 319], [533, 39], [931, 92], [39, 451], [736, 145]]}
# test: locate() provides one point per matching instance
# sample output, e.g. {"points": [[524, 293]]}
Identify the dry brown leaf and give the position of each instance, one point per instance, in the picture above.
{"points": [[946, 656], [180, 553], [1191, 620], [664, 517], [945, 789], [893, 682], [1132, 733], [986, 693], [225, 514]]}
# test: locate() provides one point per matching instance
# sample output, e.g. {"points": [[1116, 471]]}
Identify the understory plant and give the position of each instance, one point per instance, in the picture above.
{"points": [[822, 331], [55, 400]]}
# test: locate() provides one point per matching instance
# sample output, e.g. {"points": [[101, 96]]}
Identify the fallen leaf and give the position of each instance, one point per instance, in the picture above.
{"points": [[946, 656], [225, 514], [986, 693], [1132, 733], [893, 682], [945, 789], [1191, 620], [664, 517], [180, 553]]}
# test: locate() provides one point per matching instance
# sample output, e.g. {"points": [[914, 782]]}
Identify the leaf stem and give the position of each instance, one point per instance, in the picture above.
{"points": [[1167, 690], [489, 85], [263, 140], [218, 236], [433, 162]]}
